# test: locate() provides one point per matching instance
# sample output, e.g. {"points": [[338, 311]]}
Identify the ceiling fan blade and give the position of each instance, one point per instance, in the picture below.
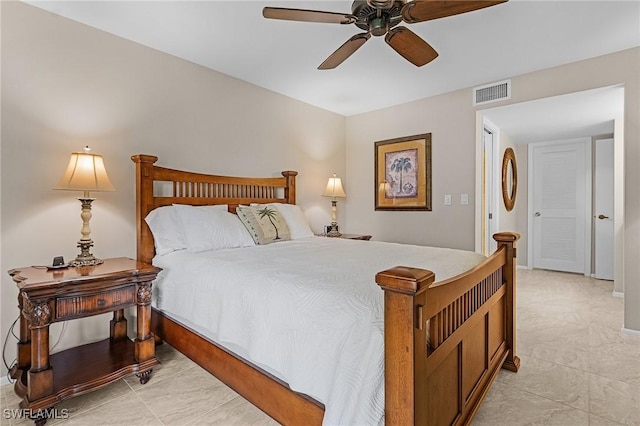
{"points": [[410, 46], [307, 15], [344, 51], [426, 10]]}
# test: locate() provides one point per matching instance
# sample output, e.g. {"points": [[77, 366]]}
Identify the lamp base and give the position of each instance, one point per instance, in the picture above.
{"points": [[79, 261], [85, 258], [333, 231]]}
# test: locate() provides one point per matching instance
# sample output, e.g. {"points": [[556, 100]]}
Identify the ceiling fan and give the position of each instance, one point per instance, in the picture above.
{"points": [[380, 18]]}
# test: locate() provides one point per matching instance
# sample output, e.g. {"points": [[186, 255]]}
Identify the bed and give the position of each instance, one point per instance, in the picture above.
{"points": [[443, 342]]}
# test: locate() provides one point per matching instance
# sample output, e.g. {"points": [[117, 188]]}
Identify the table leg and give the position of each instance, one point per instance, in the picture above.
{"points": [[40, 375], [118, 325], [23, 362], [40, 416], [144, 348]]}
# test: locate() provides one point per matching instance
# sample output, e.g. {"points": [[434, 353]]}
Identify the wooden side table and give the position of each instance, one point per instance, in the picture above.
{"points": [[48, 296]]}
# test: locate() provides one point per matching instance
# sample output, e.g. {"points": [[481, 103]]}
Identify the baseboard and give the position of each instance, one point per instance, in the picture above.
{"points": [[618, 294], [631, 332], [522, 267]]}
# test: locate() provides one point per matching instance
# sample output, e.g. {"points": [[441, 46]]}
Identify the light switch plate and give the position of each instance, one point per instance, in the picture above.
{"points": [[447, 199], [464, 199]]}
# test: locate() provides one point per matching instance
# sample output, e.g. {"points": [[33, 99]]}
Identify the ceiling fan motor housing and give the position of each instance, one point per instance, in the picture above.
{"points": [[377, 16], [381, 4]]}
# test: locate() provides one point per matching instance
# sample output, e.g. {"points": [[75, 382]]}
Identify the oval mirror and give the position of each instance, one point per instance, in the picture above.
{"points": [[509, 179]]}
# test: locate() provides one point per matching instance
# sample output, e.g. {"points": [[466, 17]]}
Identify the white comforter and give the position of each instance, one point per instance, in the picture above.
{"points": [[308, 311]]}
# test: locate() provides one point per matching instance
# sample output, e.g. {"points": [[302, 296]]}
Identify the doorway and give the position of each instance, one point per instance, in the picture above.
{"points": [[489, 196], [588, 113]]}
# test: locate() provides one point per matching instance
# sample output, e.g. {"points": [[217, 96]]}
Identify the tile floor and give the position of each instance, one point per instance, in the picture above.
{"points": [[577, 369]]}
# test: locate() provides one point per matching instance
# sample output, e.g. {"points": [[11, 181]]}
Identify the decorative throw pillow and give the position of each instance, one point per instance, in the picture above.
{"points": [[265, 223], [295, 219]]}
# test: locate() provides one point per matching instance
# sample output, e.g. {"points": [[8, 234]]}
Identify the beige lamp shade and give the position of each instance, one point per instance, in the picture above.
{"points": [[85, 172], [334, 188]]}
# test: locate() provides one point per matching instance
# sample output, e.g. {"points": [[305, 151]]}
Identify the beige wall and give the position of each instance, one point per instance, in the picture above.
{"points": [[65, 85], [451, 119], [452, 128]]}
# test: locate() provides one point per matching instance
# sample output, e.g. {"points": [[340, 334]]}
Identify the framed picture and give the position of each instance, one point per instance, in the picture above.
{"points": [[403, 173]]}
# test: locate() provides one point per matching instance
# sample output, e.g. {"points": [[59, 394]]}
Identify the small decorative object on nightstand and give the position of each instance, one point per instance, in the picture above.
{"points": [[48, 296], [86, 173], [334, 190]]}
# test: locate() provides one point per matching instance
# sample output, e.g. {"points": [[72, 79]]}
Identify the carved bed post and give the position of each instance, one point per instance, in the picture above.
{"points": [[400, 285], [290, 188], [509, 240], [144, 204]]}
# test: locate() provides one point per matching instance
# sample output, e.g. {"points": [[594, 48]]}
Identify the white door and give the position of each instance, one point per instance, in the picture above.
{"points": [[561, 194], [603, 209]]}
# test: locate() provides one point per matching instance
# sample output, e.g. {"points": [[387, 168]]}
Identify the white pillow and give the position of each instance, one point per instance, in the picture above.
{"points": [[296, 220], [166, 230], [211, 228]]}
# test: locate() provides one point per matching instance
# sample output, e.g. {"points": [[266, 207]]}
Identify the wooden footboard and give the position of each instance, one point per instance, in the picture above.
{"points": [[446, 342]]}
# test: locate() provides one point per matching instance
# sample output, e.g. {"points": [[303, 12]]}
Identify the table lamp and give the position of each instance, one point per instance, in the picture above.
{"points": [[334, 190], [86, 173]]}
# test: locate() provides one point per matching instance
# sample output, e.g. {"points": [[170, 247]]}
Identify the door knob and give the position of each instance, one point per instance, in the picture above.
{"points": [[603, 217], [537, 214]]}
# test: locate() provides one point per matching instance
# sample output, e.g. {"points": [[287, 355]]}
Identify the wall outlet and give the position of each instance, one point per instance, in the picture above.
{"points": [[464, 199], [447, 199]]}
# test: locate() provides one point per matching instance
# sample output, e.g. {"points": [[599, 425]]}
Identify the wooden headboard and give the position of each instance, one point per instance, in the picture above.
{"points": [[182, 187]]}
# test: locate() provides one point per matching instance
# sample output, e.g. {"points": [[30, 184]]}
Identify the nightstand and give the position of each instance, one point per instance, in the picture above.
{"points": [[350, 236], [48, 296]]}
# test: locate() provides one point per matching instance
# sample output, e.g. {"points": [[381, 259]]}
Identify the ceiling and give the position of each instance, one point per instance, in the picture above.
{"points": [[575, 115], [475, 48]]}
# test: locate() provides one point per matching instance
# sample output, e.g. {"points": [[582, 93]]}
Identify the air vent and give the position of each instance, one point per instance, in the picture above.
{"points": [[492, 92]]}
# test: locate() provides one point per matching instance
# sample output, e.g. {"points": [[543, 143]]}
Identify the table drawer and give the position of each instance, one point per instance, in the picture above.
{"points": [[106, 301]]}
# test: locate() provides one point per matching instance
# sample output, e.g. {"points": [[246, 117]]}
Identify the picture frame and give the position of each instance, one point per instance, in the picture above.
{"points": [[403, 173]]}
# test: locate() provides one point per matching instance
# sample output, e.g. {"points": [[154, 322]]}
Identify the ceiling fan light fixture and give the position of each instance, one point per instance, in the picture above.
{"points": [[379, 25]]}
